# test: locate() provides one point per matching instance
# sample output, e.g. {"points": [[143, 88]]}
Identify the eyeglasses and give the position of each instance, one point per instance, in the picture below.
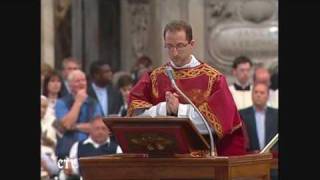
{"points": [[179, 46]]}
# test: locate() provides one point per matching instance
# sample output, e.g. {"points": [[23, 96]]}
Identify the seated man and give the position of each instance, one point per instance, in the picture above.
{"points": [[102, 90], [73, 113], [99, 142], [261, 121]]}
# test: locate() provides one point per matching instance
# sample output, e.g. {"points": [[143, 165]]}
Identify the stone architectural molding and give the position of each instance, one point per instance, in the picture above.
{"points": [[140, 26], [241, 27]]}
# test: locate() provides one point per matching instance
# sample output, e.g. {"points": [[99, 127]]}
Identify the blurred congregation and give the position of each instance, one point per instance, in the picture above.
{"points": [[79, 87], [73, 127]]}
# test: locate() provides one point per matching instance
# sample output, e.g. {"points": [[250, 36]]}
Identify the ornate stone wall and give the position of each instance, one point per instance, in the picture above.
{"points": [[47, 32], [135, 30], [62, 24], [142, 22], [241, 27], [139, 29], [223, 30]]}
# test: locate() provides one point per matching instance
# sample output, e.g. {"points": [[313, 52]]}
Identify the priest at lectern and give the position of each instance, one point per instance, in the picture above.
{"points": [[206, 87]]}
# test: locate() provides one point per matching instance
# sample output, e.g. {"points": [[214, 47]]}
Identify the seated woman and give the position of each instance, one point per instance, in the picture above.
{"points": [[52, 91]]}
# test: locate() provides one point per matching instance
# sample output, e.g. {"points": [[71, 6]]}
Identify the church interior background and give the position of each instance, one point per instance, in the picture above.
{"points": [[120, 31]]}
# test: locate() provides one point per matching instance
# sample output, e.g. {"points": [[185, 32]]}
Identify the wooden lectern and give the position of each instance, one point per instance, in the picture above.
{"points": [[160, 148]]}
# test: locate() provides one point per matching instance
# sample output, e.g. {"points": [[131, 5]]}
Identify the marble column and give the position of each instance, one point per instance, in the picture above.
{"points": [[137, 36], [196, 20], [77, 29], [47, 32], [91, 32]]}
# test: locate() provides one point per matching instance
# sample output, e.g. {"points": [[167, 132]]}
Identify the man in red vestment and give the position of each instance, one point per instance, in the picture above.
{"points": [[206, 87]]}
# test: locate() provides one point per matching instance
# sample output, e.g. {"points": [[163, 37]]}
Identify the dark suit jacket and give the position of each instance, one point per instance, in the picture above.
{"points": [[64, 90], [115, 100], [248, 117]]}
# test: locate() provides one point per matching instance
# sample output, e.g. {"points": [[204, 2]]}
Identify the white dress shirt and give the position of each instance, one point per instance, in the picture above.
{"points": [[73, 155], [260, 117], [102, 96]]}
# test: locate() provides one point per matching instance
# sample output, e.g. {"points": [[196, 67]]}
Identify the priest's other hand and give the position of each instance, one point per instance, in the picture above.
{"points": [[172, 102]]}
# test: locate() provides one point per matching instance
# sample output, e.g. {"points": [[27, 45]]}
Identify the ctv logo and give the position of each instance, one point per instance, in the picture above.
{"points": [[66, 163]]}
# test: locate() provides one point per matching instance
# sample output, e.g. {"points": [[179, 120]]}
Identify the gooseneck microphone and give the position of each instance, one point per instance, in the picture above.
{"points": [[170, 74]]}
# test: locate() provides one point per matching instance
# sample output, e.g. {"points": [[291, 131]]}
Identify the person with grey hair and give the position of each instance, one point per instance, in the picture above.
{"points": [[261, 121], [100, 142], [68, 65], [73, 113], [262, 75]]}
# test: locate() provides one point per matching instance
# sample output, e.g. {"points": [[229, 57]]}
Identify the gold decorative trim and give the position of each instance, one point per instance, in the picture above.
{"points": [[153, 76], [209, 71], [205, 109], [195, 72], [153, 142], [137, 104]]}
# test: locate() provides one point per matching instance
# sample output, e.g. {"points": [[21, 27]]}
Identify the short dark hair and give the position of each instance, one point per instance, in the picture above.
{"points": [[124, 80], [241, 60], [179, 25], [95, 66]]}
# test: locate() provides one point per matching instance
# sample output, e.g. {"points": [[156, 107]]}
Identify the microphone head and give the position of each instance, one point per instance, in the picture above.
{"points": [[169, 72]]}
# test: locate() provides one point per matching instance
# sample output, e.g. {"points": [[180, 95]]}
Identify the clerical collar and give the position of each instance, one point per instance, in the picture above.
{"points": [[193, 63], [240, 87]]}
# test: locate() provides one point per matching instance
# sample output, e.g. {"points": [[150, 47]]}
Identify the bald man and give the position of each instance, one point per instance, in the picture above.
{"points": [[261, 121], [74, 111], [262, 75]]}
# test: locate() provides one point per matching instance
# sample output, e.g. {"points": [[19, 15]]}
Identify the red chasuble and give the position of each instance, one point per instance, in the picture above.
{"points": [[208, 90]]}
